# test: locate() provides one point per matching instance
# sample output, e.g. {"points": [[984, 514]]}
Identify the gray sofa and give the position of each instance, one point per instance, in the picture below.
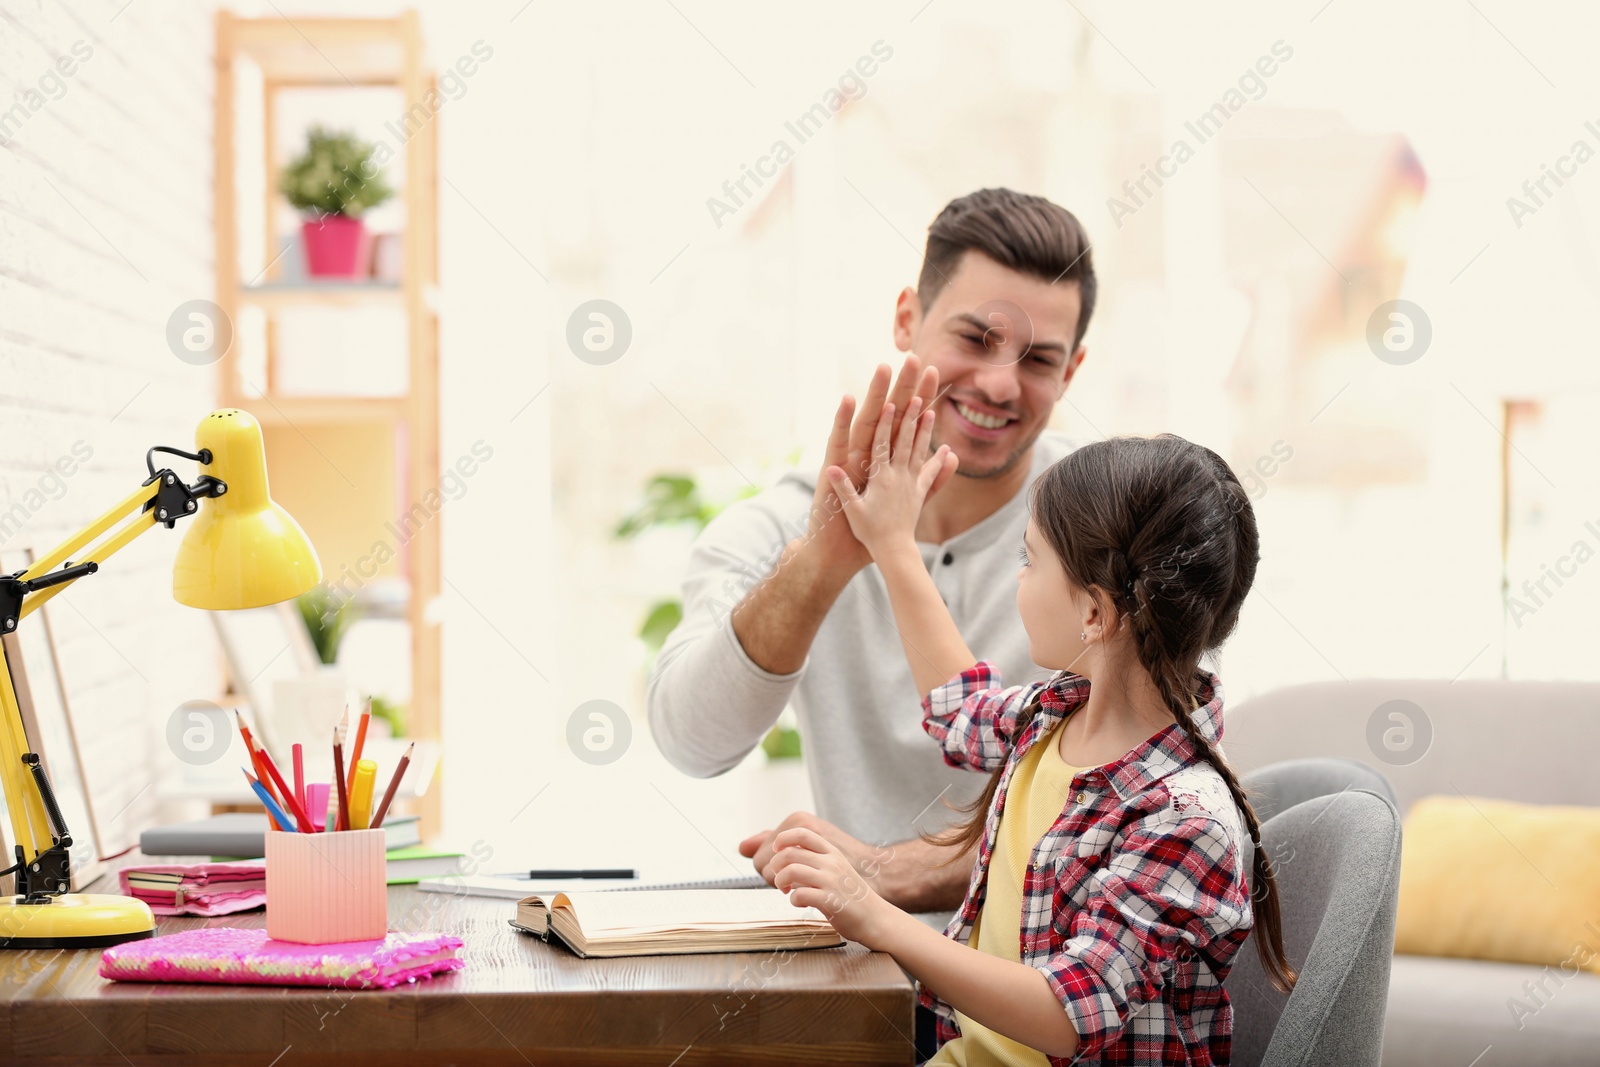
{"points": [[1526, 741]]}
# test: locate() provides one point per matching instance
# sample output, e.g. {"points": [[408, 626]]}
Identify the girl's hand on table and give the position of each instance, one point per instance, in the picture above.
{"points": [[816, 874], [884, 516]]}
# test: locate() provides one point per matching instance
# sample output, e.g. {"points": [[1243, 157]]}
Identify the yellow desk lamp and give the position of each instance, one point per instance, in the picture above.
{"points": [[241, 551]]}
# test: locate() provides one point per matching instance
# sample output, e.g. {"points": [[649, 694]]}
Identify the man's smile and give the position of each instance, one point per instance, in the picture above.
{"points": [[980, 421]]}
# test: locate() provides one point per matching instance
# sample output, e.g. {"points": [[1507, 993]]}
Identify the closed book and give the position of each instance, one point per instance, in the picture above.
{"points": [[244, 833], [407, 865], [672, 921]]}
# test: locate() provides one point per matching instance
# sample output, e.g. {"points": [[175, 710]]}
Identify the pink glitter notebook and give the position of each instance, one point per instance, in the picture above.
{"points": [[236, 956]]}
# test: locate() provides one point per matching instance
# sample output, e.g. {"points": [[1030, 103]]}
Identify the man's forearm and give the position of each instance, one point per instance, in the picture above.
{"points": [[778, 619], [914, 875]]}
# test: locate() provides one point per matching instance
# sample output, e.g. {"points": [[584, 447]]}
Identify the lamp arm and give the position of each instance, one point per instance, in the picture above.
{"points": [[30, 828], [40, 833], [163, 497], [72, 545]]}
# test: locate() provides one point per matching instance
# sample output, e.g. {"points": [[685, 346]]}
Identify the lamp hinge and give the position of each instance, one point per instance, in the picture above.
{"points": [[12, 590]]}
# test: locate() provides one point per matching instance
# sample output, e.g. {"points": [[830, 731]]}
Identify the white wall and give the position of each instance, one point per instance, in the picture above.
{"points": [[105, 228], [577, 164]]}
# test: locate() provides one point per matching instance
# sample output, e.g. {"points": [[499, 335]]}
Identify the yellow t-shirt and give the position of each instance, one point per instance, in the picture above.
{"points": [[1035, 798]]}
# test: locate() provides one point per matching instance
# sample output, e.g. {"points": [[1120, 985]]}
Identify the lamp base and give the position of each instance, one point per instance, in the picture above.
{"points": [[75, 920]]}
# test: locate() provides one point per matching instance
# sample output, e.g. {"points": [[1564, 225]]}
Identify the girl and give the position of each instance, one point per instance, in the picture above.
{"points": [[1110, 894]]}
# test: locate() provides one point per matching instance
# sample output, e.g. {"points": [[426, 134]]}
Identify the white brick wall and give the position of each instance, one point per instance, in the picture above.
{"points": [[105, 227]]}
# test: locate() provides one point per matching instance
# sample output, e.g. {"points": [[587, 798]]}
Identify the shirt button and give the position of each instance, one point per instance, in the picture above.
{"points": [[949, 558], [1082, 797]]}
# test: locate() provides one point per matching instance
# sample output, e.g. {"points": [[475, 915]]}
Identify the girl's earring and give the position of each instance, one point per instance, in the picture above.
{"points": [[1083, 636]]}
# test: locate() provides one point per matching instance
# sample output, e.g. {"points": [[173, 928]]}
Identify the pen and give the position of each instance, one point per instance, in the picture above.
{"points": [[594, 872], [394, 783], [274, 812], [363, 775]]}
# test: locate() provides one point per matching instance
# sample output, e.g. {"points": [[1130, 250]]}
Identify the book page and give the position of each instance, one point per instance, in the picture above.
{"points": [[644, 911]]}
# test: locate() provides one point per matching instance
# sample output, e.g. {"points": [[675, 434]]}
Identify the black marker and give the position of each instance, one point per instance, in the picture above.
{"points": [[601, 872]]}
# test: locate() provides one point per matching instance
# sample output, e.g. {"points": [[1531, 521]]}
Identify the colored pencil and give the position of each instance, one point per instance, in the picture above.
{"points": [[300, 779], [394, 783], [361, 741], [338, 769], [274, 812], [284, 794], [250, 747]]}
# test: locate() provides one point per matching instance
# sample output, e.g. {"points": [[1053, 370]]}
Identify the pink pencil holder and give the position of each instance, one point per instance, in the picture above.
{"points": [[328, 887]]}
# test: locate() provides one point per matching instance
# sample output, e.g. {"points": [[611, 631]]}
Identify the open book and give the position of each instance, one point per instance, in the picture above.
{"points": [[650, 922]]}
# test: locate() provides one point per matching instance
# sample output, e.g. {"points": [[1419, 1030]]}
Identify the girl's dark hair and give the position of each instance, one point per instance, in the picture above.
{"points": [[1162, 526]]}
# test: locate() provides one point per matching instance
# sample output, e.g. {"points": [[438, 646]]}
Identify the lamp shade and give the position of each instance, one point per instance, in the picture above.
{"points": [[242, 550]]}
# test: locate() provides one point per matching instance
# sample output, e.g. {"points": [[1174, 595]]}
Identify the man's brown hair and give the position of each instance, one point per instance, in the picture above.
{"points": [[1025, 233]]}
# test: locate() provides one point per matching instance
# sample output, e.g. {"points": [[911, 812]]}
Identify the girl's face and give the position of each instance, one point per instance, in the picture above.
{"points": [[1048, 602]]}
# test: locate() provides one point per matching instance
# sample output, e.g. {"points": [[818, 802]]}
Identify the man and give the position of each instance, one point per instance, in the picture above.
{"points": [[783, 606]]}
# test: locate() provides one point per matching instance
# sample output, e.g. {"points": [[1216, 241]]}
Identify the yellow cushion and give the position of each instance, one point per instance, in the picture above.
{"points": [[1498, 880]]}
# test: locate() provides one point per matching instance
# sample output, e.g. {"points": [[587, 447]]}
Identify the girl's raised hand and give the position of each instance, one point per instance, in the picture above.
{"points": [[884, 516], [816, 874]]}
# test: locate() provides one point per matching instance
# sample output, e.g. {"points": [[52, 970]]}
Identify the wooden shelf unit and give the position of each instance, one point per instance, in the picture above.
{"points": [[337, 54]]}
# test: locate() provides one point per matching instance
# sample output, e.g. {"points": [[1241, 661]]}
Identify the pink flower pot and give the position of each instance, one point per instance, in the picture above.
{"points": [[336, 246]]}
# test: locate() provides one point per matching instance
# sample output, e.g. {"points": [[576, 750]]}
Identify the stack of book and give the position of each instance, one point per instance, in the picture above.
{"points": [[239, 834]]}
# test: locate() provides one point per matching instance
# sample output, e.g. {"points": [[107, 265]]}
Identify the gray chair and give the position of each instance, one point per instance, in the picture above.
{"points": [[1277, 787], [1532, 742], [1337, 864]]}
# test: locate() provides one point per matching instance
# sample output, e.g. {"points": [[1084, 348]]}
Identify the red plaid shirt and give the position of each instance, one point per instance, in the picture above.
{"points": [[1136, 898]]}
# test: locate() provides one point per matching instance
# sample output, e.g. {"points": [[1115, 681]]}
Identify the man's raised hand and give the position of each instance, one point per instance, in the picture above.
{"points": [[884, 518], [850, 445]]}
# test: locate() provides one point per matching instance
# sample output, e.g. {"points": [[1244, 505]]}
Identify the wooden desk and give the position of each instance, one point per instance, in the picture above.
{"points": [[517, 1002]]}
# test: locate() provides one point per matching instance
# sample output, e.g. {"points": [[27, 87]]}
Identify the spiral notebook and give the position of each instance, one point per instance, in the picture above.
{"points": [[512, 888], [235, 956]]}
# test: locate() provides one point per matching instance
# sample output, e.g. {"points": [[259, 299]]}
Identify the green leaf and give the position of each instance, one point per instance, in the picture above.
{"points": [[335, 175], [392, 713], [662, 619], [781, 742], [669, 499], [327, 616]]}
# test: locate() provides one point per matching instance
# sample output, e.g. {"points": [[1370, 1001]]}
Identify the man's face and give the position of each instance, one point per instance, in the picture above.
{"points": [[1002, 342]]}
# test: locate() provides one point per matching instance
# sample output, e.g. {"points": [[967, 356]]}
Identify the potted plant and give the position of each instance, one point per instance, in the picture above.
{"points": [[332, 182], [328, 617], [671, 499]]}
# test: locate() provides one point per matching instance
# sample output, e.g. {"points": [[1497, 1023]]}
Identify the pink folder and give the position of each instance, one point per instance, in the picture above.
{"points": [[236, 956]]}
